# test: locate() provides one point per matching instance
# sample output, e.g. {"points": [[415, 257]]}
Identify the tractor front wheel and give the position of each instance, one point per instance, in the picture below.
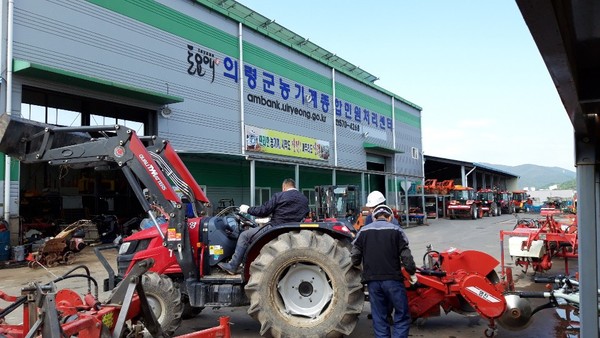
{"points": [[303, 284], [473, 212], [164, 299]]}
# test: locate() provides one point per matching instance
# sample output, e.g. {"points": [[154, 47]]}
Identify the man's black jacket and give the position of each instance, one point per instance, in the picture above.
{"points": [[284, 207], [382, 248]]}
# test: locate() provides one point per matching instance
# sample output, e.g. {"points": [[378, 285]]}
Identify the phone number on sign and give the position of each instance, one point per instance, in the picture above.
{"points": [[346, 124]]}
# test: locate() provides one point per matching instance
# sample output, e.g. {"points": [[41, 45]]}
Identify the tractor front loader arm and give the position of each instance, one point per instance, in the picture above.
{"points": [[114, 147]]}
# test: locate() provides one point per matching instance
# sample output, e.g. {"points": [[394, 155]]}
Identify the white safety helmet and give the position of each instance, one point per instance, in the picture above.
{"points": [[375, 198], [382, 210]]}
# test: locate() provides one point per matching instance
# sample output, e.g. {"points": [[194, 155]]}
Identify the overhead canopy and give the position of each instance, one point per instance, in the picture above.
{"points": [[373, 146], [63, 76], [567, 34]]}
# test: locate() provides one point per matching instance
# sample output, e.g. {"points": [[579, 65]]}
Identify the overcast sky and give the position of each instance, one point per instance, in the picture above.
{"points": [[471, 65]]}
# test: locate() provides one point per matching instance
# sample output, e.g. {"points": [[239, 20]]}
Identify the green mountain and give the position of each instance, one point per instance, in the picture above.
{"points": [[540, 177]]}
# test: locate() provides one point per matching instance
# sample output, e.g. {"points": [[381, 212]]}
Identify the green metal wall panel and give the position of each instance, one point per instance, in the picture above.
{"points": [[272, 175], [14, 168], [220, 174], [348, 178], [164, 18], [311, 177]]}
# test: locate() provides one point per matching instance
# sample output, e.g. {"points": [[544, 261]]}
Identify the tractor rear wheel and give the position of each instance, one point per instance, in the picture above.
{"points": [[164, 299], [303, 284]]}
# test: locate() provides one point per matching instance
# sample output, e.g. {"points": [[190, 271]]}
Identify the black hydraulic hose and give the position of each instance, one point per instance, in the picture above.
{"points": [[436, 273], [21, 300], [428, 253], [539, 279], [87, 270], [531, 294], [90, 278]]}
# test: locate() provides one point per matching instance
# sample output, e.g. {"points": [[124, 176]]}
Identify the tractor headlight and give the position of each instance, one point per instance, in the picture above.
{"points": [[124, 247]]}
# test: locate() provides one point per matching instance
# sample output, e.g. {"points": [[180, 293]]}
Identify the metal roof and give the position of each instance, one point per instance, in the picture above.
{"points": [[274, 30], [480, 166], [567, 34]]}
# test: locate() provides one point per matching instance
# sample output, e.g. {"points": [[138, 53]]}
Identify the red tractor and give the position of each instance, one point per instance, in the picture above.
{"points": [[504, 201], [463, 203], [521, 201], [486, 201]]}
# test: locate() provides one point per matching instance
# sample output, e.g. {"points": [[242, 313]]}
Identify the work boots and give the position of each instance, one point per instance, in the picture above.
{"points": [[233, 266]]}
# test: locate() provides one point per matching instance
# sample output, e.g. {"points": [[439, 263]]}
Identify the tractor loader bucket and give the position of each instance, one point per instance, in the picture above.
{"points": [[17, 136]]}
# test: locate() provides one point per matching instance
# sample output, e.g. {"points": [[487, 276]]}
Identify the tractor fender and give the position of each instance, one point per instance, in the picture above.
{"points": [[483, 296]]}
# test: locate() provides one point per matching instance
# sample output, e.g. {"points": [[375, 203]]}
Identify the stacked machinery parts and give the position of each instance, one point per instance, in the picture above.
{"points": [[433, 187]]}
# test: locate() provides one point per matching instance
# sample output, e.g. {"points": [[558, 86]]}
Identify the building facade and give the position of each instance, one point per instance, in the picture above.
{"points": [[244, 101]]}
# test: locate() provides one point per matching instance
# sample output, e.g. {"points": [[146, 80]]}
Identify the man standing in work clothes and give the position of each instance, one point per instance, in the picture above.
{"points": [[383, 250]]}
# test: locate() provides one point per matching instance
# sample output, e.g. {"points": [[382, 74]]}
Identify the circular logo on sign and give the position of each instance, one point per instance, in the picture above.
{"points": [[119, 151]]}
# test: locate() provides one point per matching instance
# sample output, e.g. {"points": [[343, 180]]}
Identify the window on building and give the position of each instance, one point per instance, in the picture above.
{"points": [[98, 120], [68, 110], [50, 115], [262, 195], [415, 153], [310, 194]]}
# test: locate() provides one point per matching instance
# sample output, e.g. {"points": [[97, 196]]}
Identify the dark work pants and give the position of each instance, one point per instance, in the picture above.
{"points": [[381, 294], [246, 238]]}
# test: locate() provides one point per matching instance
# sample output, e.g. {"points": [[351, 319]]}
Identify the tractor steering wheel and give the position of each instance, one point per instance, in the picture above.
{"points": [[244, 220]]}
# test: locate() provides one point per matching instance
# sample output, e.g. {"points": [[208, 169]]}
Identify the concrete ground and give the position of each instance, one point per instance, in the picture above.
{"points": [[481, 234]]}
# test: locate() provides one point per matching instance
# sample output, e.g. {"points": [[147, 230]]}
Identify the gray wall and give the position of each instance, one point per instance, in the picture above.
{"points": [[146, 47]]}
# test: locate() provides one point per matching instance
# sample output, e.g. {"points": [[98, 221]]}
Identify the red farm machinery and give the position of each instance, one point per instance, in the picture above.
{"points": [[521, 201], [504, 201], [535, 242], [486, 201], [463, 203], [48, 312], [464, 282]]}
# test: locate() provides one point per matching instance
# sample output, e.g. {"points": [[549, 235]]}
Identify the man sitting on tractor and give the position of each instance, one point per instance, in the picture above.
{"points": [[289, 205]]}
